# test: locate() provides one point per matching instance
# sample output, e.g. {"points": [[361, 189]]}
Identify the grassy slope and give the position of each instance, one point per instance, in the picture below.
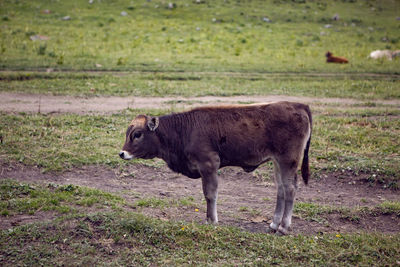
{"points": [[213, 35]]}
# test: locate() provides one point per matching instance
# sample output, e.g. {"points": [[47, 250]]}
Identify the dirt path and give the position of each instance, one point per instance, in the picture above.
{"points": [[244, 201], [209, 73], [20, 102]]}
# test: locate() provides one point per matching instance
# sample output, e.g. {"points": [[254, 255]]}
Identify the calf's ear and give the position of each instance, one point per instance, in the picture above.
{"points": [[152, 123]]}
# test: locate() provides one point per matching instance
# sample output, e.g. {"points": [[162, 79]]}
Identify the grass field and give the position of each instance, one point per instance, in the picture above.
{"points": [[228, 48], [261, 36], [364, 140], [366, 88], [112, 238]]}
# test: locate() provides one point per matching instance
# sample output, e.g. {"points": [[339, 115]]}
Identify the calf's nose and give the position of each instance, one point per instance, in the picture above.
{"points": [[121, 154]]}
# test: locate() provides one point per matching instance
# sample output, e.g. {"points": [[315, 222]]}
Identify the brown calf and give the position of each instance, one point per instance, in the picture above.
{"points": [[197, 143], [331, 59]]}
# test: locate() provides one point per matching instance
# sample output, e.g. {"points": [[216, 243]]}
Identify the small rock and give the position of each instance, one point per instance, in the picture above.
{"points": [[98, 65], [46, 11], [327, 26], [258, 219], [66, 18], [38, 37], [123, 13], [335, 17], [265, 19], [91, 1]]}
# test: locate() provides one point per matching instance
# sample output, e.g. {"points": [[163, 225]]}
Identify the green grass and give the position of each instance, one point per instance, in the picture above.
{"points": [[118, 237], [162, 203], [23, 198], [211, 36], [62, 142], [311, 211], [202, 84], [357, 143], [360, 140], [317, 213], [390, 207], [122, 238]]}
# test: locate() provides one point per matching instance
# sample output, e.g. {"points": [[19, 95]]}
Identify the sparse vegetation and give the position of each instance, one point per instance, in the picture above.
{"points": [[162, 203], [316, 212], [22, 198], [102, 238]]}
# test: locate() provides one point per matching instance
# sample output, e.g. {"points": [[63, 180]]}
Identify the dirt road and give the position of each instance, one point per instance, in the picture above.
{"points": [[19, 102]]}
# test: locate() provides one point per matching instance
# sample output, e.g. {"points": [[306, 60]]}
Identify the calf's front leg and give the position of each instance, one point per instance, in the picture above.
{"points": [[210, 190], [208, 164]]}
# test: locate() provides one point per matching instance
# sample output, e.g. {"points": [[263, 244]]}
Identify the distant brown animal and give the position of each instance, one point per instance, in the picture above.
{"points": [[198, 142], [331, 59]]}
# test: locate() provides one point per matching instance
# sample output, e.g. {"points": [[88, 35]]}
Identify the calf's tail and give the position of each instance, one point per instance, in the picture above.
{"points": [[305, 168]]}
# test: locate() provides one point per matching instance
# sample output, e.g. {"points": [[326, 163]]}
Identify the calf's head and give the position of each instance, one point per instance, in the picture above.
{"points": [[141, 140], [328, 54]]}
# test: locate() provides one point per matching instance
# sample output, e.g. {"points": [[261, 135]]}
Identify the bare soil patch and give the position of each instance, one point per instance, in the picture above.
{"points": [[21, 219], [245, 200], [33, 103]]}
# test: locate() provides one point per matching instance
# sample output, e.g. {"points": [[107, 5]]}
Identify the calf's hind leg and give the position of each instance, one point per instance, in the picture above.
{"points": [[280, 200], [289, 181], [286, 181]]}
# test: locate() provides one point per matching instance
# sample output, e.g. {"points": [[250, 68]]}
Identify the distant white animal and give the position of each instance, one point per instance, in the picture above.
{"points": [[384, 54]]}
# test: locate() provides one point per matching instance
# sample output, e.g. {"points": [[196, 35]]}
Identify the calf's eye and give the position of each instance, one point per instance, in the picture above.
{"points": [[137, 135]]}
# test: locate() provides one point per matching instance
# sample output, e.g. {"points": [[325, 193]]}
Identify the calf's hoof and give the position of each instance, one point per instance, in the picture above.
{"points": [[270, 231], [282, 231], [278, 233], [272, 228], [211, 222]]}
